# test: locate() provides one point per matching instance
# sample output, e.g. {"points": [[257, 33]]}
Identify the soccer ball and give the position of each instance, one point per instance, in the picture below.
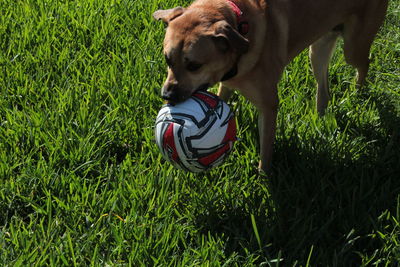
{"points": [[197, 134]]}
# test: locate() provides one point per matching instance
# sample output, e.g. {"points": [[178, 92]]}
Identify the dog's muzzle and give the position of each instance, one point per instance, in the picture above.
{"points": [[171, 93]]}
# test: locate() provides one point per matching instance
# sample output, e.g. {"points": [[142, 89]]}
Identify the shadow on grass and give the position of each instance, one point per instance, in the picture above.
{"points": [[321, 200], [333, 203]]}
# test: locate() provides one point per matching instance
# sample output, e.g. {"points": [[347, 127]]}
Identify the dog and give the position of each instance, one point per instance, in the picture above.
{"points": [[246, 44]]}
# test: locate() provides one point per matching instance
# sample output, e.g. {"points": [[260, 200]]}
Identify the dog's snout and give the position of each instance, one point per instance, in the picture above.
{"points": [[170, 96], [170, 93]]}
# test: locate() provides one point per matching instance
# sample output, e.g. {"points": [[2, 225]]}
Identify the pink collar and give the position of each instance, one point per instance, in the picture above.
{"points": [[243, 26]]}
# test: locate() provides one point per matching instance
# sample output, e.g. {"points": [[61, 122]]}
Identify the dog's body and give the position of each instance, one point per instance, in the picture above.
{"points": [[204, 44]]}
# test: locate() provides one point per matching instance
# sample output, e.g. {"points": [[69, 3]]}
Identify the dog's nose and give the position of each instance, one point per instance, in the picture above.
{"points": [[171, 93], [170, 96]]}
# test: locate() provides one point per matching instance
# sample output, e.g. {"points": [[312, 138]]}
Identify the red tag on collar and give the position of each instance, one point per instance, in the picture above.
{"points": [[236, 9], [243, 26]]}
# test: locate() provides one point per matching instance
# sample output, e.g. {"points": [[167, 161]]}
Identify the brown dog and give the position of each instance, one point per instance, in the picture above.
{"points": [[246, 44]]}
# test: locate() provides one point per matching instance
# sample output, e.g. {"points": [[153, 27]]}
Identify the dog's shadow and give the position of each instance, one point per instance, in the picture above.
{"points": [[315, 204]]}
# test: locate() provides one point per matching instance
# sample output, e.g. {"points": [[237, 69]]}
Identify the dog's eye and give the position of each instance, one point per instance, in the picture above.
{"points": [[193, 66]]}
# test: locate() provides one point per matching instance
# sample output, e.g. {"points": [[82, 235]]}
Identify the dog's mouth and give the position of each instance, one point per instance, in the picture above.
{"points": [[175, 98]]}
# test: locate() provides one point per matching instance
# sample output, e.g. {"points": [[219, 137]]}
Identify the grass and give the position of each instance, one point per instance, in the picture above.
{"points": [[82, 182]]}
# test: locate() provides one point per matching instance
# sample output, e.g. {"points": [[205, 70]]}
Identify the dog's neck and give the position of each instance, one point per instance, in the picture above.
{"points": [[243, 26], [243, 29], [254, 12], [231, 73]]}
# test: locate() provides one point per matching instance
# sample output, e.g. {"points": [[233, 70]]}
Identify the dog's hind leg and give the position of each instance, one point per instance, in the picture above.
{"points": [[320, 54], [359, 32]]}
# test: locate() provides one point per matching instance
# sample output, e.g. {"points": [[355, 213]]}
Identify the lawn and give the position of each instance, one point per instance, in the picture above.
{"points": [[83, 183]]}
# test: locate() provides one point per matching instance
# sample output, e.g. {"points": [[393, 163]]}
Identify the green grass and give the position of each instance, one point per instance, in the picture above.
{"points": [[82, 182]]}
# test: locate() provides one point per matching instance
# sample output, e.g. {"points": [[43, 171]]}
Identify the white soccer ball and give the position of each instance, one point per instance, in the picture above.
{"points": [[197, 134]]}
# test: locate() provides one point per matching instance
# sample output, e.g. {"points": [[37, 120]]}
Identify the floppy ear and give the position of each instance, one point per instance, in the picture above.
{"points": [[169, 14], [226, 37]]}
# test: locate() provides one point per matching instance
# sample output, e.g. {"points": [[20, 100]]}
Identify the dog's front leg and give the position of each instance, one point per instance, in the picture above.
{"points": [[264, 96], [224, 92], [267, 128]]}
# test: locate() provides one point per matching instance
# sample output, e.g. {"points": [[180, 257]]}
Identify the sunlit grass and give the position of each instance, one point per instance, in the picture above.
{"points": [[82, 182]]}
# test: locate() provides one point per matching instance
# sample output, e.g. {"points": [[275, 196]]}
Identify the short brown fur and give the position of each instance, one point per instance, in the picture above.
{"points": [[202, 43]]}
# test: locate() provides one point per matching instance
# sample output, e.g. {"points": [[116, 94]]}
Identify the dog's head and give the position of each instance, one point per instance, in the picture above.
{"points": [[200, 48]]}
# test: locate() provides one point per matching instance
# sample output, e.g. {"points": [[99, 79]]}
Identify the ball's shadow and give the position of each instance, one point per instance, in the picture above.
{"points": [[317, 200]]}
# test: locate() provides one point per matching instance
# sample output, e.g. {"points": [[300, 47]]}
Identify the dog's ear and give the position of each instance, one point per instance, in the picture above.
{"points": [[226, 37], [169, 14]]}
